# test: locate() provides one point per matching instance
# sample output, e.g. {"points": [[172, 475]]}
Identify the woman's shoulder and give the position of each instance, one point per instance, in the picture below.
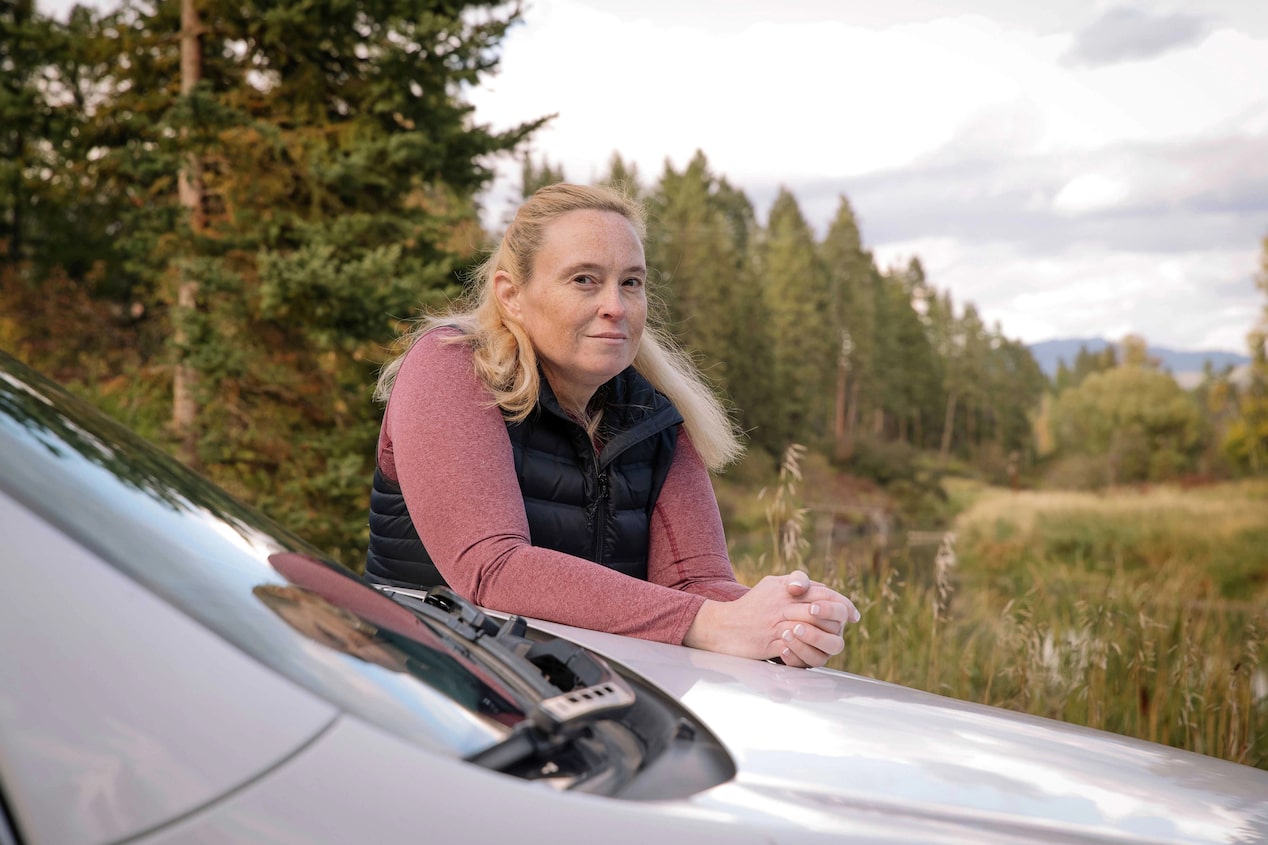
{"points": [[439, 340], [438, 351]]}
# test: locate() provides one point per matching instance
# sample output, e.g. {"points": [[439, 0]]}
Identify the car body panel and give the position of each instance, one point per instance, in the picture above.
{"points": [[826, 740], [117, 712], [421, 798], [417, 796]]}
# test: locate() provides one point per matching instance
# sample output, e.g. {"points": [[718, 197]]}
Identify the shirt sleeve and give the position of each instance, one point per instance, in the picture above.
{"points": [[687, 544], [447, 445]]}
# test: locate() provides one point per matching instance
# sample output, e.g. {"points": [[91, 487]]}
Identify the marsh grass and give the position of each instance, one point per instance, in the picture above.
{"points": [[1139, 612]]}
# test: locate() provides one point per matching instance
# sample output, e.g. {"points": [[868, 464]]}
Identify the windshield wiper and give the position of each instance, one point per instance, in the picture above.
{"points": [[568, 685], [587, 728], [573, 697]]}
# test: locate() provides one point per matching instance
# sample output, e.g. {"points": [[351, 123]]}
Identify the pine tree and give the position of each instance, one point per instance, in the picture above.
{"points": [[535, 176], [338, 165], [908, 373], [23, 45], [1015, 386], [623, 176], [46, 220], [698, 231], [853, 312], [694, 257], [804, 343]]}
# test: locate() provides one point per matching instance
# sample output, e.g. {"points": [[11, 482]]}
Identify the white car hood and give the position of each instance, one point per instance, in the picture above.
{"points": [[840, 746]]}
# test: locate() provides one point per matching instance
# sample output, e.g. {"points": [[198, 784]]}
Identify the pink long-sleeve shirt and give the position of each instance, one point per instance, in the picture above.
{"points": [[444, 441]]}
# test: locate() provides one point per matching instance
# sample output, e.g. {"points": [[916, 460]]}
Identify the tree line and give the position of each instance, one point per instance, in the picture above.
{"points": [[810, 338], [217, 217]]}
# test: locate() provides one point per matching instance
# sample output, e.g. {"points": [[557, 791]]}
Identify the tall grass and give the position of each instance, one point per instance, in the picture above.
{"points": [[1140, 612]]}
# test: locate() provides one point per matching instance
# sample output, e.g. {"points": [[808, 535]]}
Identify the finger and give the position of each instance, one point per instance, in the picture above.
{"points": [[830, 618], [797, 583], [820, 592], [831, 615], [842, 611], [800, 654], [788, 658], [812, 644], [780, 648]]}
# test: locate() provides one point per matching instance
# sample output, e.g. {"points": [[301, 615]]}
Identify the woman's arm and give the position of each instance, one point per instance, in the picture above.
{"points": [[687, 546], [452, 457], [789, 616]]}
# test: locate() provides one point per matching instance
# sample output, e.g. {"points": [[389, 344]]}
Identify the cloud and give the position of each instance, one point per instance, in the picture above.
{"points": [[1196, 300], [1125, 34], [1124, 238], [1164, 197]]}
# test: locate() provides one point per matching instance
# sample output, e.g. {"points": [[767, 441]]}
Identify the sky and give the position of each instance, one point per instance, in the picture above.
{"points": [[1072, 168]]}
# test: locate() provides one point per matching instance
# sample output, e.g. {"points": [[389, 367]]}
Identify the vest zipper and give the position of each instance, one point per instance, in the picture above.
{"points": [[601, 516]]}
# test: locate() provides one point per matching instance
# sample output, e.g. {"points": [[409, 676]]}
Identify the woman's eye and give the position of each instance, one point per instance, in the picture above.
{"points": [[584, 279], [633, 282]]}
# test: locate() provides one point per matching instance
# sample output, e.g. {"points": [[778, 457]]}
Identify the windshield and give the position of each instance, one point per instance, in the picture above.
{"points": [[240, 575]]}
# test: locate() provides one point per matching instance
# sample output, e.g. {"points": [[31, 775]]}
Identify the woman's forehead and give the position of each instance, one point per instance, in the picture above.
{"points": [[595, 237]]}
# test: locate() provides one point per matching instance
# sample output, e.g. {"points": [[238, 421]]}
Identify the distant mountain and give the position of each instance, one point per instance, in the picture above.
{"points": [[1050, 352]]}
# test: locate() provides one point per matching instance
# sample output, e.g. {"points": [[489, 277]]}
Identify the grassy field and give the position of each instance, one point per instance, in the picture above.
{"points": [[1139, 611]]}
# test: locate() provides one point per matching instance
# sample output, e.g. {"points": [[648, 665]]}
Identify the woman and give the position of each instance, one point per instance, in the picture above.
{"points": [[546, 453]]}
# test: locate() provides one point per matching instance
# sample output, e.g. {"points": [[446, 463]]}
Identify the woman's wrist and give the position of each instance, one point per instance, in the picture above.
{"points": [[702, 633]]}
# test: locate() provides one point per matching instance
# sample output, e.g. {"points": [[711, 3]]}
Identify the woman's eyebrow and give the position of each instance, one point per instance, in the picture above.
{"points": [[592, 267]]}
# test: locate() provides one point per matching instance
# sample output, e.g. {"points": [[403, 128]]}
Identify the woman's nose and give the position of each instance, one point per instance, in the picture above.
{"points": [[612, 303]]}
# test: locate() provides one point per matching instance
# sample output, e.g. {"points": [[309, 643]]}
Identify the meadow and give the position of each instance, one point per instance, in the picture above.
{"points": [[1142, 611]]}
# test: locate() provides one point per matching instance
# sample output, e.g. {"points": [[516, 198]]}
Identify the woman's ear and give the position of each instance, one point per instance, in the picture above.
{"points": [[507, 293]]}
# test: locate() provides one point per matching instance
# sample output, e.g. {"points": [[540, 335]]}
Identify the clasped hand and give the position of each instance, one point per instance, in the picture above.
{"points": [[786, 616]]}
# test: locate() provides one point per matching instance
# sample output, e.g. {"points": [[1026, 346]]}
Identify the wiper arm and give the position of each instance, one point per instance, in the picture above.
{"points": [[586, 728], [554, 723], [569, 688], [568, 683]]}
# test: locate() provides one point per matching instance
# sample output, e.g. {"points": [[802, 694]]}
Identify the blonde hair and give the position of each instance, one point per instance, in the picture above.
{"points": [[505, 359]]}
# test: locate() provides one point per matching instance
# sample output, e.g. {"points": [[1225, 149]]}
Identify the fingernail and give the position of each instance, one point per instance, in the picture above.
{"points": [[814, 610], [788, 636], [857, 615], [799, 630], [787, 653]]}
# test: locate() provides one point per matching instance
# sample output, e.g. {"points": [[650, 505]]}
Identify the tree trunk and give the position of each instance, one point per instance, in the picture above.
{"points": [[948, 424], [970, 429], [840, 436], [190, 190], [851, 421]]}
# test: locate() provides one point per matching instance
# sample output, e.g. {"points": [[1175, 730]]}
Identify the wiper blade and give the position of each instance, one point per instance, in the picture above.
{"points": [[568, 683], [571, 694]]}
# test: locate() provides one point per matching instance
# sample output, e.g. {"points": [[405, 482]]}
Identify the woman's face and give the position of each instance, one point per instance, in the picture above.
{"points": [[585, 305]]}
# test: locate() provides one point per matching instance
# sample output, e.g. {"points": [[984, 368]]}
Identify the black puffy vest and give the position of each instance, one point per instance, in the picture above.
{"points": [[597, 507]]}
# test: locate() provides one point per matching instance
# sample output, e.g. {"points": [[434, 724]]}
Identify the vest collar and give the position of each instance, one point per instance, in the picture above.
{"points": [[632, 410]]}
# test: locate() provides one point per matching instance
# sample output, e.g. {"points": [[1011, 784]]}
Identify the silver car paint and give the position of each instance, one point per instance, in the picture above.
{"points": [[832, 744], [117, 712], [421, 798]]}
